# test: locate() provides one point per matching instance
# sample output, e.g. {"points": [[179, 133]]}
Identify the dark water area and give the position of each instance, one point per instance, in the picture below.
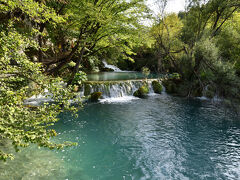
{"points": [[160, 137]]}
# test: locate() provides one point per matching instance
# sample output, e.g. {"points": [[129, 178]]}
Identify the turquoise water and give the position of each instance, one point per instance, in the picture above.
{"points": [[111, 76], [160, 137]]}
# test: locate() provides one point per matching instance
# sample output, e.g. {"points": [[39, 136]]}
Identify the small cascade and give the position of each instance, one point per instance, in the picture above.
{"points": [[37, 100], [114, 68], [112, 91], [115, 89]]}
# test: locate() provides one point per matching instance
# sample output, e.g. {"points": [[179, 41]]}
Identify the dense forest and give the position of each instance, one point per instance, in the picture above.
{"points": [[48, 44]]}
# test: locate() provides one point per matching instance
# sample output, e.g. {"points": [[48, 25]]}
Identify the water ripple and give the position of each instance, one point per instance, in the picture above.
{"points": [[160, 137]]}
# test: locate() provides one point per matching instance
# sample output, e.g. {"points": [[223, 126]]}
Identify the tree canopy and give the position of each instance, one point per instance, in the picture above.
{"points": [[45, 45], [201, 45]]}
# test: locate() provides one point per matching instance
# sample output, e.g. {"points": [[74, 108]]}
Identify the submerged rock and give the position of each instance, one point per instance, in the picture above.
{"points": [[94, 97], [31, 163], [141, 92], [157, 87]]}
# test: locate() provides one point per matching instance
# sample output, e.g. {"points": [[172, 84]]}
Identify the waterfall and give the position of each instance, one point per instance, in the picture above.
{"points": [[39, 99], [115, 89], [114, 68]]}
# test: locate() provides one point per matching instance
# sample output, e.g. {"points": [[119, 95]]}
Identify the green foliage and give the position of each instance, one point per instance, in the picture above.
{"points": [[157, 87], [19, 123], [206, 51], [174, 76], [228, 42], [93, 63], [36, 11], [167, 32], [72, 64], [142, 91], [20, 78], [94, 30], [170, 86], [111, 24], [210, 92], [145, 71], [87, 89], [79, 78], [202, 46]]}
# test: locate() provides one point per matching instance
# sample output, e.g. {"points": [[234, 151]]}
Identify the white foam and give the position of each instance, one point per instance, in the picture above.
{"points": [[217, 99], [114, 68], [118, 99], [152, 94], [202, 98], [214, 99], [37, 100]]}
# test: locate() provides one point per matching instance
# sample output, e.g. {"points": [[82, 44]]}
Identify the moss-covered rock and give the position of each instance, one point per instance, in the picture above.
{"points": [[144, 89], [141, 92], [94, 97], [136, 93], [157, 87]]}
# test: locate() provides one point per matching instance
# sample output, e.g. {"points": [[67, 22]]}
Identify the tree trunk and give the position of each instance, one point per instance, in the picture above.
{"points": [[159, 67], [76, 68], [66, 60]]}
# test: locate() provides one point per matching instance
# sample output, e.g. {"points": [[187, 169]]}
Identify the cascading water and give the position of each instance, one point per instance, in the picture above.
{"points": [[39, 99], [115, 90], [111, 91], [114, 68]]}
